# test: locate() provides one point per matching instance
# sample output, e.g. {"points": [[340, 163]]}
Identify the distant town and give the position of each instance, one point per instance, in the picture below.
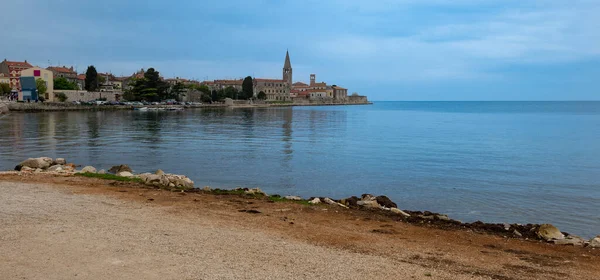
{"points": [[20, 81]]}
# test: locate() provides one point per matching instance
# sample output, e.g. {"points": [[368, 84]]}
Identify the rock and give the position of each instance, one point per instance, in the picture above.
{"points": [[385, 202], [367, 196], [316, 200], [125, 174], [102, 171], [42, 163], [331, 202], [291, 197], [171, 185], [570, 240], [549, 232], [506, 226], [351, 201], [595, 242], [255, 191], [159, 172], [88, 169], [399, 212], [59, 161], [3, 109], [517, 233], [120, 168], [38, 170], [442, 217], [56, 168], [26, 169], [207, 189], [369, 204], [71, 166]]}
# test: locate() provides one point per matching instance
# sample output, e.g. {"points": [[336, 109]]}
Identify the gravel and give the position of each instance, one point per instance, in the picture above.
{"points": [[49, 233]]}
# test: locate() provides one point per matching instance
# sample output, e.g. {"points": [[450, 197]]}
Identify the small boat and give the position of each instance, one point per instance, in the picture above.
{"points": [[141, 109]]}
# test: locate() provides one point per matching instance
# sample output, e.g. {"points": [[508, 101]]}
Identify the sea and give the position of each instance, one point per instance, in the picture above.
{"points": [[500, 162]]}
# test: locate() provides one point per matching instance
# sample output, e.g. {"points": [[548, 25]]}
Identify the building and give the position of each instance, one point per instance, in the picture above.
{"points": [[68, 73], [340, 93], [13, 70], [81, 81], [39, 73], [275, 89], [4, 78]]}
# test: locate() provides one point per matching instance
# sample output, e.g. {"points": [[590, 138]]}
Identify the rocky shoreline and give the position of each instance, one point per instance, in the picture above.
{"points": [[49, 107], [366, 202]]}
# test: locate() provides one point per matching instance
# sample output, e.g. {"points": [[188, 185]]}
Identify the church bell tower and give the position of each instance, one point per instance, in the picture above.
{"points": [[287, 70]]}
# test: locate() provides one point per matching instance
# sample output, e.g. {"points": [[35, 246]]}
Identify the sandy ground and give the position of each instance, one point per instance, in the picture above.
{"points": [[79, 228]]}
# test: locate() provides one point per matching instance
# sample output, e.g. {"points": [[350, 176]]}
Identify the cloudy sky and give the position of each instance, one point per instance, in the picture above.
{"points": [[386, 49]]}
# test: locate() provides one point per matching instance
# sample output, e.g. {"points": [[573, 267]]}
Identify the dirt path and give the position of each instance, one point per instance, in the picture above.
{"points": [[78, 228]]}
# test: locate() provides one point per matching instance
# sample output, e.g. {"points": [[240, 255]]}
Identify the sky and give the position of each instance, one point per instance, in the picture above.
{"points": [[385, 49]]}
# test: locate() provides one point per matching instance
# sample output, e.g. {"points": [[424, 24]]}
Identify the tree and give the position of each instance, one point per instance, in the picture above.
{"points": [[62, 97], [91, 79], [149, 88], [4, 89], [41, 87], [177, 90], [261, 95], [231, 92], [64, 84], [247, 88]]}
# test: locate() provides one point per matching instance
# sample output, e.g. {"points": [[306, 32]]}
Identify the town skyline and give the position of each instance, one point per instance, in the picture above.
{"points": [[389, 50]]}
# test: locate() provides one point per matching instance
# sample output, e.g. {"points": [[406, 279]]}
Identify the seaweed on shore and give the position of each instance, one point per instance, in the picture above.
{"points": [[110, 177]]}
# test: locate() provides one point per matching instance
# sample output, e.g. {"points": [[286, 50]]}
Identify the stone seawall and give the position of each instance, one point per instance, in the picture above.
{"points": [[58, 106], [3, 108]]}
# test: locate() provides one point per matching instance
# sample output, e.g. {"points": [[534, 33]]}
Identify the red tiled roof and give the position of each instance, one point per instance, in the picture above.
{"points": [[320, 84], [229, 82], [269, 80], [299, 84], [338, 87], [61, 69], [81, 77], [18, 64]]}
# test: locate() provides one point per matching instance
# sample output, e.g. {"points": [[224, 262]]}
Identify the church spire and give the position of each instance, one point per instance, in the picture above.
{"points": [[287, 64], [287, 69]]}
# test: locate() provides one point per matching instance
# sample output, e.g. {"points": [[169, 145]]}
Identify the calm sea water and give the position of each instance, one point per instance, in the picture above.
{"points": [[492, 161]]}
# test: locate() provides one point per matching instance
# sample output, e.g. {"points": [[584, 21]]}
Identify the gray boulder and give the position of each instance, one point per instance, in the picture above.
{"points": [[159, 172], [292, 197], [570, 240], [59, 161], [125, 174], [385, 202], [102, 171], [27, 169], [549, 232], [56, 168], [41, 162], [399, 212], [316, 200], [88, 169], [595, 242], [120, 168]]}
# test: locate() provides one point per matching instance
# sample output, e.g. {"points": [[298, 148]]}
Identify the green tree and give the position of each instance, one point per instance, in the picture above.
{"points": [[261, 95], [4, 89], [149, 88], [62, 97], [101, 80], [247, 88], [64, 84], [91, 79], [230, 92], [177, 91], [41, 87], [206, 98]]}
